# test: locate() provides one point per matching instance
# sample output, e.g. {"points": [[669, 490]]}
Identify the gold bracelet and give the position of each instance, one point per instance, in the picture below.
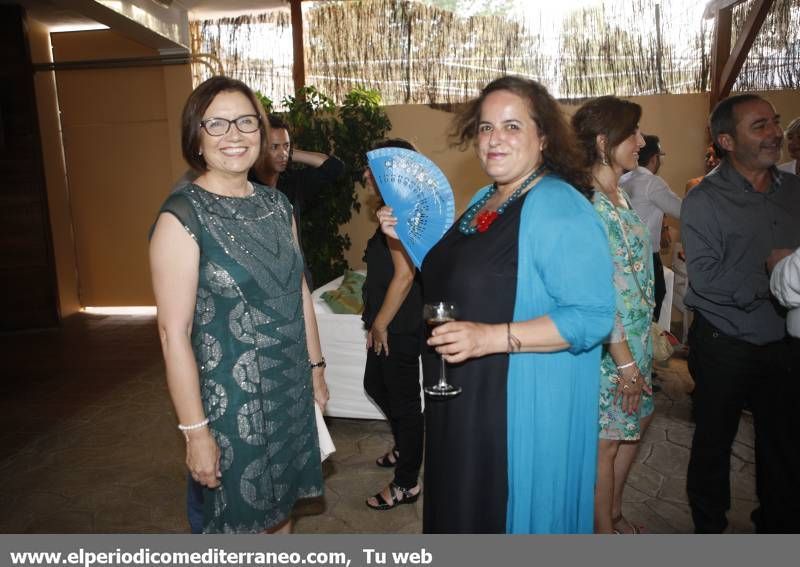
{"points": [[627, 384]]}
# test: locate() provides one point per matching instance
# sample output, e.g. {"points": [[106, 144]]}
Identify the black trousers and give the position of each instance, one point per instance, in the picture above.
{"points": [[393, 382], [659, 285], [730, 374]]}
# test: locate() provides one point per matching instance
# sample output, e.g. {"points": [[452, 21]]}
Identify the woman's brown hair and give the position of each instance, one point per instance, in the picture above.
{"points": [[197, 104], [560, 153], [612, 117]]}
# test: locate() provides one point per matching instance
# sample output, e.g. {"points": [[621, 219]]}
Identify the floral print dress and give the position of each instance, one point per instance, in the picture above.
{"points": [[629, 240]]}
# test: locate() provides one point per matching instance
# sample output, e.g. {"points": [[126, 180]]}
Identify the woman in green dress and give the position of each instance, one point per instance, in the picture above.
{"points": [[237, 326], [608, 131]]}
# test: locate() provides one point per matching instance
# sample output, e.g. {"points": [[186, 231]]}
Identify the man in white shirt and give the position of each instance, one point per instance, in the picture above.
{"points": [[792, 134], [784, 282], [651, 198]]}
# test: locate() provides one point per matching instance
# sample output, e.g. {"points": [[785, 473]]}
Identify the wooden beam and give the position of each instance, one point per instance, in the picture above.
{"points": [[720, 51], [727, 64], [744, 42], [714, 6], [299, 63]]}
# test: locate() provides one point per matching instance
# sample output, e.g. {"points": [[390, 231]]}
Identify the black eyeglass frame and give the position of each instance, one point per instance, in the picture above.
{"points": [[234, 121]]}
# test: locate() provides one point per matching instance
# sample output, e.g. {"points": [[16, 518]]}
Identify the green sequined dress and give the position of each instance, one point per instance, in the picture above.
{"points": [[249, 342]]}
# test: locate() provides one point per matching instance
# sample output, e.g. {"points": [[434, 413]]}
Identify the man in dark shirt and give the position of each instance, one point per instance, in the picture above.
{"points": [[739, 351], [297, 184]]}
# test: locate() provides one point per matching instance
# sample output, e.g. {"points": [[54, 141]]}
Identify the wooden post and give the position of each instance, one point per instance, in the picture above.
{"points": [[720, 51], [730, 71], [659, 70], [298, 64], [726, 64]]}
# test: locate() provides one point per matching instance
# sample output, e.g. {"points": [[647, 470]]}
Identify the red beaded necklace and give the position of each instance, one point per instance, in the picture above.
{"points": [[484, 219]]}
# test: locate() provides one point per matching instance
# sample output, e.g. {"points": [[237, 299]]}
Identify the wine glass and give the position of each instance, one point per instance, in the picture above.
{"points": [[436, 314]]}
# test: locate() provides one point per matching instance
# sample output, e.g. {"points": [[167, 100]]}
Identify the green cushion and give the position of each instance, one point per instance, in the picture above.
{"points": [[346, 299]]}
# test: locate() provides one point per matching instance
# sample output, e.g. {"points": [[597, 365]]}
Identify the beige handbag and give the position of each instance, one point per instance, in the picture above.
{"points": [[662, 348]]}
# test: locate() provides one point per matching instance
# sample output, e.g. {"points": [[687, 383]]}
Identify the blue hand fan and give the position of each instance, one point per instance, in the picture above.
{"points": [[419, 194]]}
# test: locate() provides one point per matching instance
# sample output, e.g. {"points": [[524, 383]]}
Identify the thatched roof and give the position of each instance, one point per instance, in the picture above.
{"points": [[412, 52]]}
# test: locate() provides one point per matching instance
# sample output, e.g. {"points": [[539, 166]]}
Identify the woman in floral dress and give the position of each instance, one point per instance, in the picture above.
{"points": [[608, 130]]}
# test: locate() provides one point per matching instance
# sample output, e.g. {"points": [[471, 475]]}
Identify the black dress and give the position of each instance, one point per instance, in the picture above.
{"points": [[465, 447]]}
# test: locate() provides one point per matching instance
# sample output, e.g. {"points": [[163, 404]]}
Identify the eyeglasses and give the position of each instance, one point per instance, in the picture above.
{"points": [[246, 124]]}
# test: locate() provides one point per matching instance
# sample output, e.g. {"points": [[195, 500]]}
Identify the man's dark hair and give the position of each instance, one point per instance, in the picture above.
{"points": [[723, 121], [652, 146], [277, 122]]}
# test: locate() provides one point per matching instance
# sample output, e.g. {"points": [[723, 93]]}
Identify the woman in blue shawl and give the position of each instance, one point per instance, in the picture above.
{"points": [[529, 269]]}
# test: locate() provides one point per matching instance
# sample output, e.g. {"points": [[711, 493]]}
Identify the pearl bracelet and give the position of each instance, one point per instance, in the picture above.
{"points": [[193, 426]]}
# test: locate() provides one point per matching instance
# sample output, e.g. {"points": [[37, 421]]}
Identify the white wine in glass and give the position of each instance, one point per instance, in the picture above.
{"points": [[436, 314]]}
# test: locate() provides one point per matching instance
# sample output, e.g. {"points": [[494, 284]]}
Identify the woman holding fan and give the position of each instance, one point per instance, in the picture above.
{"points": [[528, 267], [393, 318]]}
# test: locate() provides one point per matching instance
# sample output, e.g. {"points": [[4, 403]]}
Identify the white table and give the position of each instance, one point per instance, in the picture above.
{"points": [[344, 341]]}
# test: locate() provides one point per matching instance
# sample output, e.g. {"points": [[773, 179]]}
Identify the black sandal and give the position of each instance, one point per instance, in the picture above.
{"points": [[407, 498], [385, 461]]}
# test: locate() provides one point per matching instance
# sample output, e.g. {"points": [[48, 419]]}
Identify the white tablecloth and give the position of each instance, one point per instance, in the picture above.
{"points": [[344, 342]]}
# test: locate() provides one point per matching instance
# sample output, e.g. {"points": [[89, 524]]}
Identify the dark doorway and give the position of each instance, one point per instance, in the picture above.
{"points": [[29, 297]]}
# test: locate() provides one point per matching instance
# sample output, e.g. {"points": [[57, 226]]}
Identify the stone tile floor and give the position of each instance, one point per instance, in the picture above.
{"points": [[89, 445]]}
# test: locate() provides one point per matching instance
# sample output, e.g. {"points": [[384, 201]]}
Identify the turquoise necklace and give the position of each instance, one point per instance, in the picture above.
{"points": [[485, 219]]}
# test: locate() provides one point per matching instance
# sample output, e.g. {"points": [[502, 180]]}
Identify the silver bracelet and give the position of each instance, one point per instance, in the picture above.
{"points": [[514, 344], [626, 365], [197, 425]]}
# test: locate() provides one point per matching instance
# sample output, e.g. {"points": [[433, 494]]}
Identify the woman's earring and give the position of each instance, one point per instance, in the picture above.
{"points": [[603, 159], [199, 152]]}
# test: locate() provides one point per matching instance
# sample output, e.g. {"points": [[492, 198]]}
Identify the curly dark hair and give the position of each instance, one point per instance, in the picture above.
{"points": [[197, 104], [560, 151], [612, 117]]}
